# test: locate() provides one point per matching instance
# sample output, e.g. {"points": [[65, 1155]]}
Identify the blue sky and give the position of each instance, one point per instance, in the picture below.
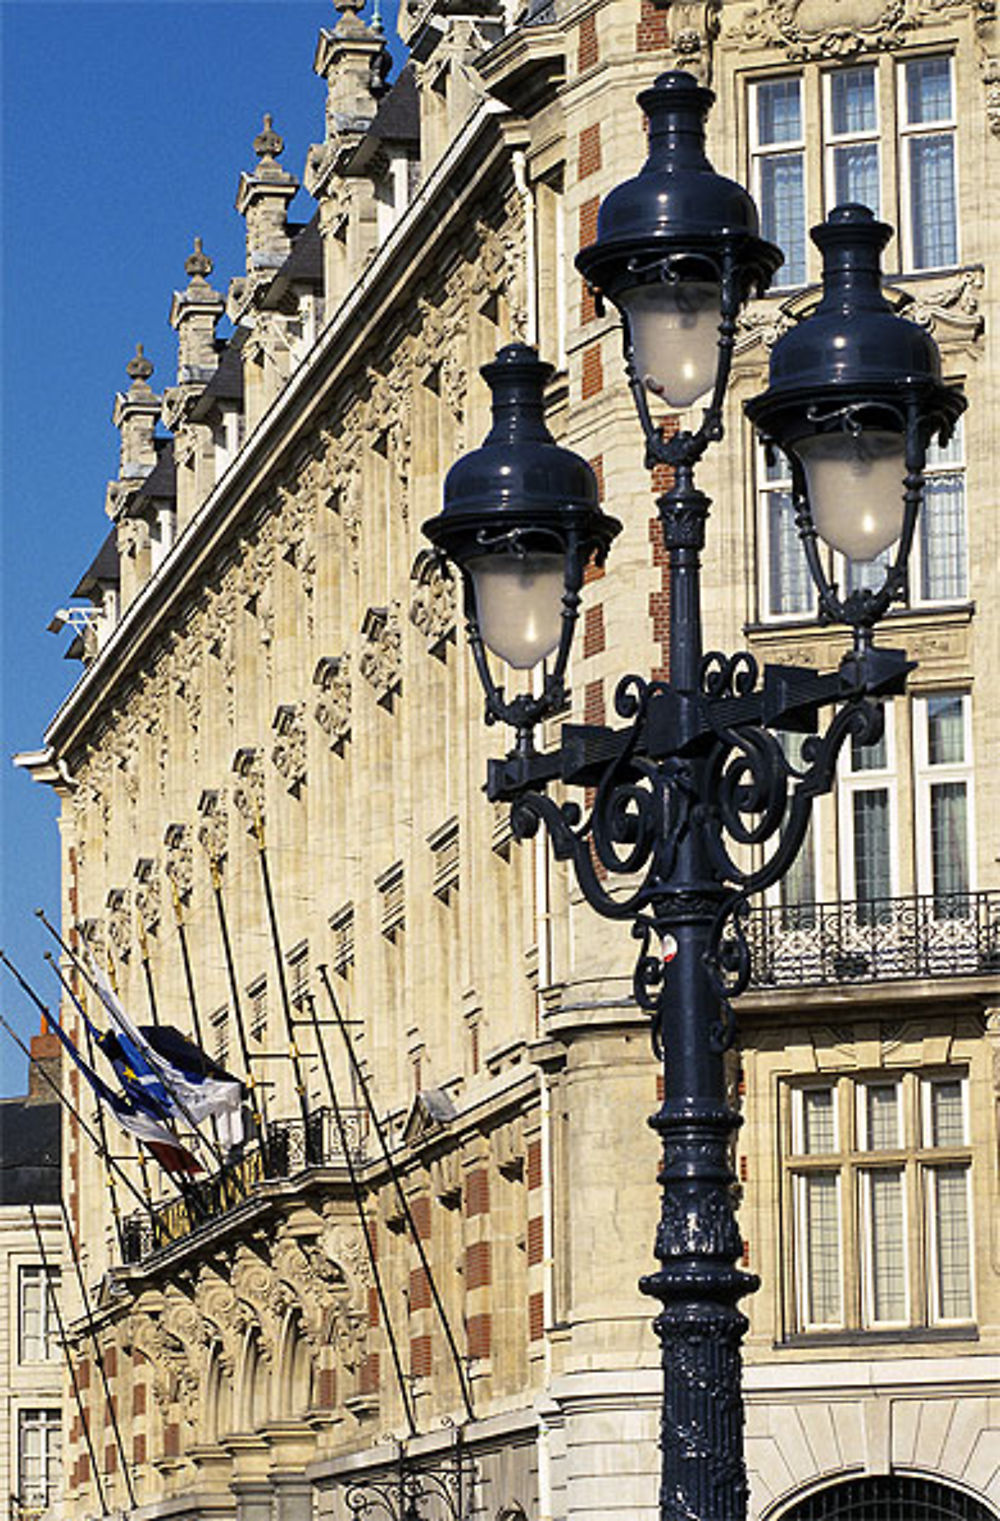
{"points": [[124, 130]]}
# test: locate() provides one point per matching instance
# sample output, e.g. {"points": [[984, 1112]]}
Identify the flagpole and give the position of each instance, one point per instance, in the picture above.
{"points": [[258, 1104], [147, 970], [193, 1001], [404, 1203], [359, 1204], [101, 1128], [98, 1354], [68, 1356], [67, 1103], [293, 1051], [214, 1151]]}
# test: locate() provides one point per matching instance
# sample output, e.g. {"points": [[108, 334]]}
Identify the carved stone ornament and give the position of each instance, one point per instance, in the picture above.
{"points": [[433, 605], [333, 705], [381, 659], [248, 791], [288, 753], [991, 83], [213, 831], [692, 27], [118, 925], [389, 417], [146, 893], [178, 863], [835, 28], [951, 310], [500, 269]]}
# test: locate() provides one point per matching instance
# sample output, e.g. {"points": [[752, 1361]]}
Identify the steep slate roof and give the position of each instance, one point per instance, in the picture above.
{"points": [[227, 382], [161, 483], [103, 568], [397, 119], [304, 265], [29, 1152]]}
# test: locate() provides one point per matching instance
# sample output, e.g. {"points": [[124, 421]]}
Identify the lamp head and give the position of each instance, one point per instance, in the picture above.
{"points": [[676, 245], [521, 516], [855, 394]]}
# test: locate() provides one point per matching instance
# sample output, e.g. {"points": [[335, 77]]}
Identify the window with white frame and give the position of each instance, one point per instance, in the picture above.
{"points": [[39, 1444], [787, 588], [926, 112], [37, 1324], [942, 753], [851, 138], [878, 1176], [777, 138], [904, 171], [868, 825], [941, 573]]}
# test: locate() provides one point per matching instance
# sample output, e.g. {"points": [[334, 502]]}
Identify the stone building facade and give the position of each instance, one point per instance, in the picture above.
{"points": [[274, 696]]}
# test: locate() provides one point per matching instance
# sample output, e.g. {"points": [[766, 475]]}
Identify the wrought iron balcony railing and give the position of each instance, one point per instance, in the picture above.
{"points": [[875, 940], [291, 1146]]}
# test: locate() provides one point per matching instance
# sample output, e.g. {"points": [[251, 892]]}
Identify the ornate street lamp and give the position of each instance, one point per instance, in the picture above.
{"points": [[698, 766]]}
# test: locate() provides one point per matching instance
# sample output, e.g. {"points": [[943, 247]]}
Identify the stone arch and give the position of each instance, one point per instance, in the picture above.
{"points": [[295, 1368], [218, 1401], [253, 1385], [891, 1497]]}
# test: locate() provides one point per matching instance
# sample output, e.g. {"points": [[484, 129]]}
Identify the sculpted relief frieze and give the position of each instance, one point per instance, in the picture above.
{"points": [[434, 600], [835, 28], [332, 708]]}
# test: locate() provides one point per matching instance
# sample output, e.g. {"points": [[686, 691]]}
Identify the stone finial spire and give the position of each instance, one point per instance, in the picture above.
{"points": [[262, 199], [139, 370], [194, 313], [354, 60], [135, 416]]}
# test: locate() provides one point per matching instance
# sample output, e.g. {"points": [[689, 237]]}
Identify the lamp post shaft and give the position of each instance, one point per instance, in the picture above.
{"points": [[698, 1243]]}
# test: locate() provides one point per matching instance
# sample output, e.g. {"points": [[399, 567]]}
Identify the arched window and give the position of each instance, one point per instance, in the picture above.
{"points": [[889, 1497]]}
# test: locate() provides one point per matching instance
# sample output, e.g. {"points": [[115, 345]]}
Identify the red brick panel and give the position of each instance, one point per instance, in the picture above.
{"points": [[536, 1316], [593, 703], [651, 33], [480, 1332], [373, 1306], [534, 1164], [110, 1459], [536, 1239], [588, 50], [420, 1290], [139, 1399], [83, 1373], [420, 1209], [477, 1192], [478, 1265], [588, 220], [421, 1363], [589, 157], [111, 1362], [172, 1440], [593, 631], [139, 1450], [326, 1388], [592, 382]]}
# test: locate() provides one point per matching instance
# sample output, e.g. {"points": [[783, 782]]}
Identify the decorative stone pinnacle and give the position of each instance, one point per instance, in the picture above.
{"points": [[349, 7], [198, 265], [139, 368], [268, 144]]}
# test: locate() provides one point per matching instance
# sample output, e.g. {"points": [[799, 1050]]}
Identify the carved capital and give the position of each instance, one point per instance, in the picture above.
{"points": [[381, 658]]}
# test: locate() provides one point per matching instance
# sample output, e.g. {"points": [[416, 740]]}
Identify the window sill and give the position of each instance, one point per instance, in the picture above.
{"points": [[905, 1335]]}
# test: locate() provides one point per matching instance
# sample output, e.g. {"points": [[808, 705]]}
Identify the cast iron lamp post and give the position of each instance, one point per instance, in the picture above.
{"points": [[698, 765]]}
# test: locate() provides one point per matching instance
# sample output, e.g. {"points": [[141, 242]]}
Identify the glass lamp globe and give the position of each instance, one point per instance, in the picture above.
{"points": [[854, 482], [674, 328], [519, 602]]}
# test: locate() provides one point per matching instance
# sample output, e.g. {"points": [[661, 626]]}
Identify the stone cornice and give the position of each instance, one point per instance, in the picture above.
{"points": [[439, 209]]}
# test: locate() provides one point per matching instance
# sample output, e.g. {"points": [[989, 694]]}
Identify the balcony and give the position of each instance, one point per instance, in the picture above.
{"points": [[875, 940], [293, 1146]]}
